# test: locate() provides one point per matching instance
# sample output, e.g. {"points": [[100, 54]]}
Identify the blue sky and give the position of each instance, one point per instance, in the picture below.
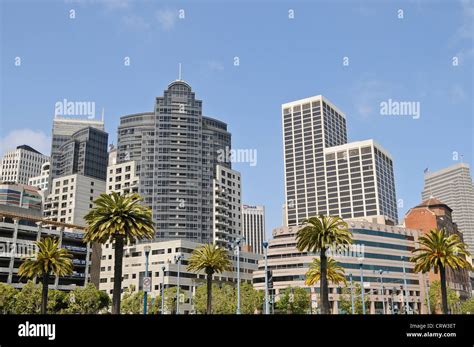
{"points": [[281, 59]]}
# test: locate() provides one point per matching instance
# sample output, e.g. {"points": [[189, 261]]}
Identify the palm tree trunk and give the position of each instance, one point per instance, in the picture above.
{"points": [[324, 284], [44, 294], [117, 274], [444, 291], [209, 293]]}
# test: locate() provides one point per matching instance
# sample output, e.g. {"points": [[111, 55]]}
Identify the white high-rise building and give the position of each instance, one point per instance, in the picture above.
{"points": [[20, 164], [360, 181], [226, 205], [454, 187], [309, 126], [325, 175], [71, 198], [253, 227], [42, 180]]}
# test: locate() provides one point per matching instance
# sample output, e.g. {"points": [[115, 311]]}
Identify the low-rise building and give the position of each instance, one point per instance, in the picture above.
{"points": [[163, 269], [375, 247], [21, 224]]}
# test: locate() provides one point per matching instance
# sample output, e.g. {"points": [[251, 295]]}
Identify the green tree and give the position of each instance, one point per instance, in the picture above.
{"points": [[170, 301], [211, 259], [436, 297], [335, 272], [132, 302], [251, 300], [345, 300], [49, 259], [7, 298], [28, 299], [87, 300], [318, 235], [118, 219], [438, 251], [294, 300], [467, 306], [57, 301]]}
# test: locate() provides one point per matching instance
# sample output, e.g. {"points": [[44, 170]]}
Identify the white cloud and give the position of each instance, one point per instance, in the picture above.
{"points": [[367, 96], [108, 4], [167, 18], [33, 138], [136, 23]]}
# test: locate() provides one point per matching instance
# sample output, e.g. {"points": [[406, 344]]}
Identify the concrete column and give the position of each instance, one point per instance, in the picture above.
{"points": [[372, 306], [335, 307], [13, 250], [61, 231]]}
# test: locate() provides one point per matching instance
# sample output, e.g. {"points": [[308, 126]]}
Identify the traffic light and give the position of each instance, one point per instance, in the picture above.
{"points": [[270, 279]]}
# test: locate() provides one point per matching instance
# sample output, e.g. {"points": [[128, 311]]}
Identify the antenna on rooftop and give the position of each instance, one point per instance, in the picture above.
{"points": [[179, 72]]}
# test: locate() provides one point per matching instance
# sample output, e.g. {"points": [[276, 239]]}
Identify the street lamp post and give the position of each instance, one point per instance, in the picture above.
{"points": [[237, 247], [362, 290], [147, 250], [267, 308], [352, 294], [163, 291], [405, 285], [178, 259]]}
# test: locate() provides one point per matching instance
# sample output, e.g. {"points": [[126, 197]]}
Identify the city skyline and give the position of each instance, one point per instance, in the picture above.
{"points": [[358, 88]]}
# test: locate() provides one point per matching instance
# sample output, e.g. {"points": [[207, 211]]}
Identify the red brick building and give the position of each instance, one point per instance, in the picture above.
{"points": [[433, 214]]}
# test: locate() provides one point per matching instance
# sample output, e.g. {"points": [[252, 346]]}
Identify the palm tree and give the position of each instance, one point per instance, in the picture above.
{"points": [[317, 235], [50, 258], [119, 219], [439, 251], [211, 259], [335, 272]]}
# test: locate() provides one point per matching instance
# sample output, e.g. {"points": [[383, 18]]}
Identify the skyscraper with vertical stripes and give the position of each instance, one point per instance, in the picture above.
{"points": [[325, 175]]}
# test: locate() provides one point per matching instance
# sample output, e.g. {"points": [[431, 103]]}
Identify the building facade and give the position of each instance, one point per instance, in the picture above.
{"points": [[433, 214], [309, 126], [375, 247], [454, 187], [42, 180], [176, 151], [71, 198], [84, 153], [63, 130], [360, 181], [163, 269], [122, 178], [253, 227], [20, 164], [21, 224]]}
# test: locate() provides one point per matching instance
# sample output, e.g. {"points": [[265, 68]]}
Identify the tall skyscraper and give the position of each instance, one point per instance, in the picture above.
{"points": [[360, 181], [253, 227], [176, 151], [20, 164], [84, 153], [454, 187], [309, 126], [63, 129], [324, 174]]}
